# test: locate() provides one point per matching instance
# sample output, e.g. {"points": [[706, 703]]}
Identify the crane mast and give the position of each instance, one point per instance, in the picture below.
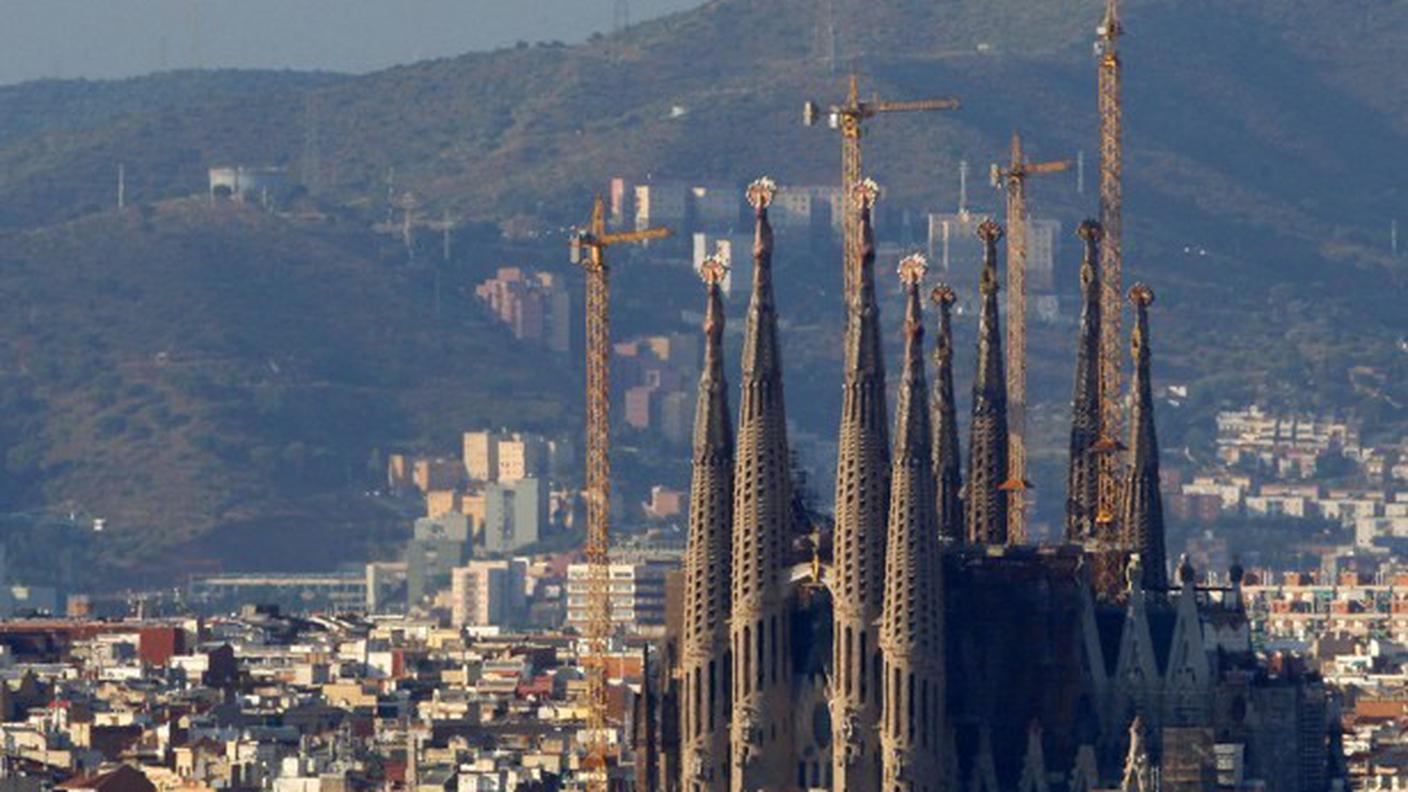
{"points": [[1013, 180], [848, 119], [1111, 265], [595, 240]]}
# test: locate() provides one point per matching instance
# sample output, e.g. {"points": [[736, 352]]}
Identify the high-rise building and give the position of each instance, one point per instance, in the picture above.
{"points": [[515, 514], [481, 455], [637, 595], [522, 456], [437, 546], [489, 593], [535, 306]]}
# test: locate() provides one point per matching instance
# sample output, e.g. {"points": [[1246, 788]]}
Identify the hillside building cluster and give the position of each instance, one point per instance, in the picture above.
{"points": [[535, 306]]}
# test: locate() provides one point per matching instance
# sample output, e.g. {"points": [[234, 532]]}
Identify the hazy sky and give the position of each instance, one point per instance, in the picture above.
{"points": [[120, 38]]}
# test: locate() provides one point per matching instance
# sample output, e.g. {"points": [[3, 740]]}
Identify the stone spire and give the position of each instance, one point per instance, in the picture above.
{"points": [[761, 731], [705, 708], [862, 493], [1143, 523], [1082, 475], [911, 629], [947, 462], [985, 502]]}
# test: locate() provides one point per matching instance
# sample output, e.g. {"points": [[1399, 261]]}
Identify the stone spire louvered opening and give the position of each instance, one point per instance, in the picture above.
{"points": [[947, 460], [705, 707], [985, 502], [911, 629], [862, 497], [761, 731], [1143, 522], [1082, 473]]}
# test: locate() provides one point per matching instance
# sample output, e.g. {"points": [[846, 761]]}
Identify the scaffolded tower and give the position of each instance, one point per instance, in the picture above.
{"points": [[986, 503], [1082, 474], [705, 706], [862, 495], [1143, 522], [762, 504], [947, 464], [911, 629]]}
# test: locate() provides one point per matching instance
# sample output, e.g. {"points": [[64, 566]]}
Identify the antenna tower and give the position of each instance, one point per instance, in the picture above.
{"points": [[620, 16], [312, 143]]}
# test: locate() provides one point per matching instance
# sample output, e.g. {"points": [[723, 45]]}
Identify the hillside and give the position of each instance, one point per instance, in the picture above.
{"points": [[208, 379], [1264, 163]]}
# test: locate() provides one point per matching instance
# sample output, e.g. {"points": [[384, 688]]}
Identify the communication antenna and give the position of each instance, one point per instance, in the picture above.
{"points": [[312, 143], [826, 34], [962, 190], [620, 16], [448, 226], [197, 61]]}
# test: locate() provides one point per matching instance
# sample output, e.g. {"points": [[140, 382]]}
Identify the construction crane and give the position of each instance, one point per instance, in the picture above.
{"points": [[847, 118], [1013, 181], [595, 240], [1111, 264]]}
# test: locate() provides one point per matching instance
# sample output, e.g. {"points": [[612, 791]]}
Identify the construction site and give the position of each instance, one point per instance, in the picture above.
{"points": [[918, 637]]}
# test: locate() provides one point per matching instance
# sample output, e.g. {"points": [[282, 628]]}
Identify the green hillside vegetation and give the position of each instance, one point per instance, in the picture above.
{"points": [[1264, 163], [187, 368]]}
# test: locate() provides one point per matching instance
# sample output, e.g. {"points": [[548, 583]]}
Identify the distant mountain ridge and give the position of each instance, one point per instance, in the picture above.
{"points": [[1264, 165]]}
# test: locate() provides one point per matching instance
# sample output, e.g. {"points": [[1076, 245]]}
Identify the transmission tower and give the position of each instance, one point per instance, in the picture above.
{"points": [[595, 240], [847, 118], [1111, 263], [620, 16], [312, 143], [1013, 180]]}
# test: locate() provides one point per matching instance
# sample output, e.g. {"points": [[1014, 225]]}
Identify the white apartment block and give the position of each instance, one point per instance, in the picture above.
{"points": [[637, 595]]}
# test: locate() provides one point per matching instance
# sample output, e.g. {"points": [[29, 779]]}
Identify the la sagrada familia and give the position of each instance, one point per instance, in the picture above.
{"points": [[927, 651]]}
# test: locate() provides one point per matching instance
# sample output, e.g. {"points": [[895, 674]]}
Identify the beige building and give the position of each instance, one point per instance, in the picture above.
{"points": [[489, 593], [437, 474], [438, 502], [481, 455], [505, 458], [522, 456]]}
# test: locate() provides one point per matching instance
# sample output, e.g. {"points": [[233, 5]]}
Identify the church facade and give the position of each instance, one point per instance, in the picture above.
{"points": [[914, 648]]}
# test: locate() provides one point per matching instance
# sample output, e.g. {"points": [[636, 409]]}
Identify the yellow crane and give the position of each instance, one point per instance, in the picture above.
{"points": [[1111, 263], [595, 240], [1013, 181], [848, 118]]}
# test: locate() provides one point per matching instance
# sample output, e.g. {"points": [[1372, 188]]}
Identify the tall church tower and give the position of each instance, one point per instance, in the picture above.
{"points": [[911, 628], [705, 707], [1082, 474], [762, 519], [947, 464], [1143, 522], [862, 494], [986, 504]]}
